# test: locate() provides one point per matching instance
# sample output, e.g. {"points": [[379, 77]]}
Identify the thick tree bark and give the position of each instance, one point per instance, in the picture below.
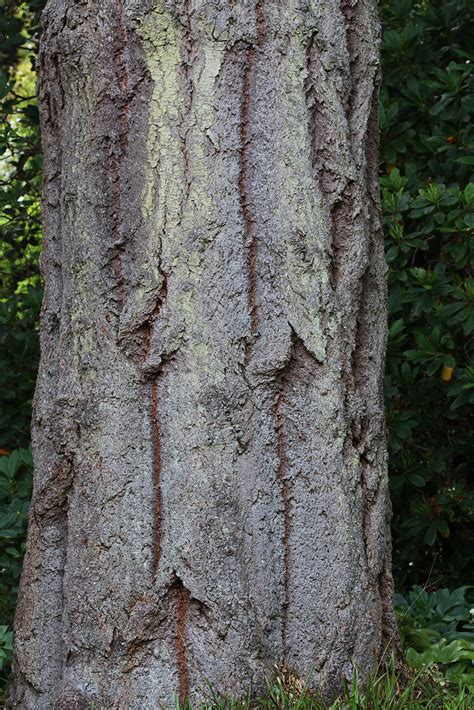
{"points": [[210, 491]]}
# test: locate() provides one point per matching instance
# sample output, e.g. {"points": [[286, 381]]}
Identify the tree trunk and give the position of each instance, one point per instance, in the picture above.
{"points": [[210, 491]]}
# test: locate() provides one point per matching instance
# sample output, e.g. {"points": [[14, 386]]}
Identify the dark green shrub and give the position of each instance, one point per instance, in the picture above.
{"points": [[428, 205], [19, 353]]}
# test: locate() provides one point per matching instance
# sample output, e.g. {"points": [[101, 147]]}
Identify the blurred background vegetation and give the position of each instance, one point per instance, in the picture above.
{"points": [[426, 168]]}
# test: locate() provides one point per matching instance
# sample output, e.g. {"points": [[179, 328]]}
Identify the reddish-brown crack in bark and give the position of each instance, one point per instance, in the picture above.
{"points": [[181, 650], [120, 52], [261, 26], [285, 495], [156, 443], [249, 219], [155, 428], [243, 180]]}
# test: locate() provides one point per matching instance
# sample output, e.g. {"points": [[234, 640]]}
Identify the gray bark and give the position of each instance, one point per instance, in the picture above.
{"points": [[210, 491]]}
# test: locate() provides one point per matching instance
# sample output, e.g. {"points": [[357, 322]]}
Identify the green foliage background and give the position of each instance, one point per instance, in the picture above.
{"points": [[427, 162], [428, 204]]}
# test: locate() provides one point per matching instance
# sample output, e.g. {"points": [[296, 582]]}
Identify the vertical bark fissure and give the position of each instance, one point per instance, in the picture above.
{"points": [[261, 26], [336, 190], [249, 218], [155, 429], [285, 497], [181, 648], [314, 109], [347, 11], [157, 500], [188, 51], [119, 148], [372, 434], [243, 188]]}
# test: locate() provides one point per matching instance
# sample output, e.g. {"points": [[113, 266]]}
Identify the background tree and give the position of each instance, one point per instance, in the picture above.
{"points": [[210, 486]]}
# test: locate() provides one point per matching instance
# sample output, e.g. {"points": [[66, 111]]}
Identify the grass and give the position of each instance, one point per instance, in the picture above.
{"points": [[390, 689]]}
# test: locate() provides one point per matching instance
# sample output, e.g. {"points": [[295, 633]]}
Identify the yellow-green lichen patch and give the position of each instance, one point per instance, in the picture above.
{"points": [[184, 63]]}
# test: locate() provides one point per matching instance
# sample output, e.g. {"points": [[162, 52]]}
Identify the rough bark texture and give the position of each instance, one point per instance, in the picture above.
{"points": [[210, 491]]}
